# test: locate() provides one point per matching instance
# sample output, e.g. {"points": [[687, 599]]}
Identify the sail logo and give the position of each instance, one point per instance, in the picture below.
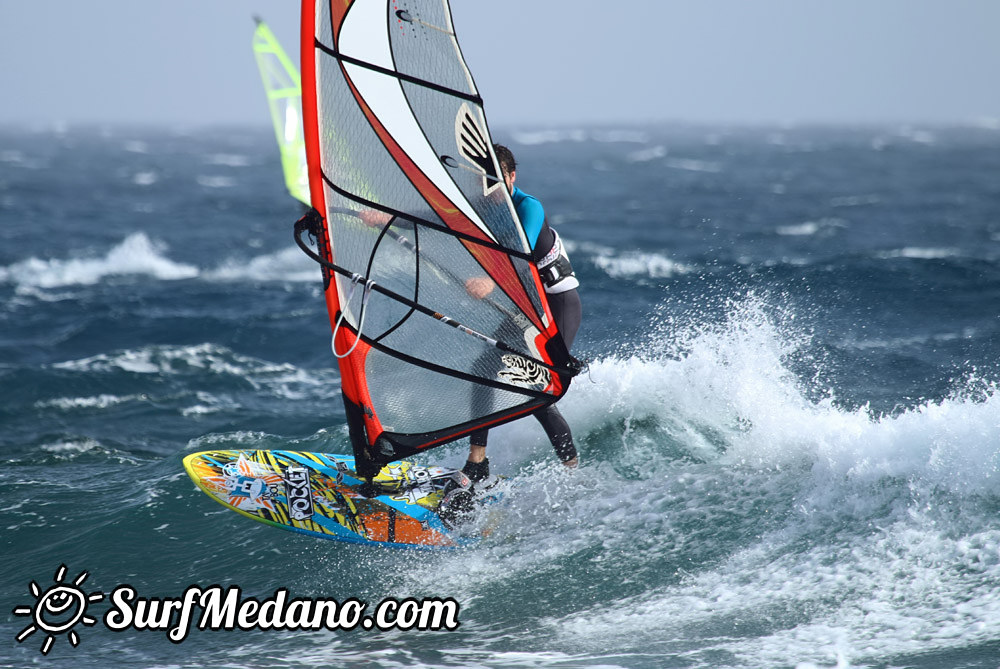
{"points": [[474, 147], [522, 372], [298, 493]]}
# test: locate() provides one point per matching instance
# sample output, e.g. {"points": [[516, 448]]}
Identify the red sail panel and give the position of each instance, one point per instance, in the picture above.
{"points": [[407, 220]]}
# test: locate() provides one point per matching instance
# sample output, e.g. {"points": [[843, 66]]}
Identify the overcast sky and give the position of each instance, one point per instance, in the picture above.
{"points": [[536, 62]]}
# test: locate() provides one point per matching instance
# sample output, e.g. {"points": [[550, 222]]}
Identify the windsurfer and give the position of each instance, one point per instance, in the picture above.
{"points": [[561, 290]]}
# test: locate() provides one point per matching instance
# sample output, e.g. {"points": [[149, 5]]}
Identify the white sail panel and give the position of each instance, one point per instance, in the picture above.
{"points": [[411, 209]]}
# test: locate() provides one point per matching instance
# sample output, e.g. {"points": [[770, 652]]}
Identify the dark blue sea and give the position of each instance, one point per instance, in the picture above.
{"points": [[790, 431]]}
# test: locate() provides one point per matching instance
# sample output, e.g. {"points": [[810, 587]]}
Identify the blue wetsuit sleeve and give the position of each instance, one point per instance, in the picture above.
{"points": [[532, 218]]}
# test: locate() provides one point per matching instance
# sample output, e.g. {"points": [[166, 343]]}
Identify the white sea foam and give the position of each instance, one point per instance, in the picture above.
{"points": [[576, 135], [904, 588], [102, 401], [72, 446], [289, 264], [799, 230], [71, 449], [278, 379], [905, 133], [854, 200], [647, 154], [145, 178], [536, 137], [136, 254], [902, 343], [920, 253], [900, 591], [852, 538], [171, 360], [693, 165], [623, 136], [11, 156], [809, 228], [637, 264], [215, 181], [917, 135], [228, 159], [136, 146], [209, 404]]}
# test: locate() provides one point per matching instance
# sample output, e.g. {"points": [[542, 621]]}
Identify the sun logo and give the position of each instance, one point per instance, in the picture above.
{"points": [[58, 610]]}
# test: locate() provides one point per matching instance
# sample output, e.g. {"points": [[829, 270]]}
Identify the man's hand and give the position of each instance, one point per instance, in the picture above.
{"points": [[373, 217], [479, 286]]}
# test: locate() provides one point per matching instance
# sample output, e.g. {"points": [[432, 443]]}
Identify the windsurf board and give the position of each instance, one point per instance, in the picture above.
{"points": [[321, 495]]}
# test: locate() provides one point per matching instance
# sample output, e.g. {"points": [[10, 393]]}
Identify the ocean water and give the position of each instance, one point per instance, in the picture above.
{"points": [[790, 432]]}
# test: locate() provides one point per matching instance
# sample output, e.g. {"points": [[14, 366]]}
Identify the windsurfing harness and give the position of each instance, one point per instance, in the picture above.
{"points": [[409, 206], [555, 269]]}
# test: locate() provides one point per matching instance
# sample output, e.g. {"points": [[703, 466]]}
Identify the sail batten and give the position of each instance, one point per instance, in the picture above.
{"points": [[410, 204], [470, 97], [359, 200]]}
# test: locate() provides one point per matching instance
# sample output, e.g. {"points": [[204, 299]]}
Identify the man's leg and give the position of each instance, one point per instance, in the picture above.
{"points": [[477, 467], [558, 432]]}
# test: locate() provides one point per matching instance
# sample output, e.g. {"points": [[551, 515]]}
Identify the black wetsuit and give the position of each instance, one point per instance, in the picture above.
{"points": [[564, 302]]}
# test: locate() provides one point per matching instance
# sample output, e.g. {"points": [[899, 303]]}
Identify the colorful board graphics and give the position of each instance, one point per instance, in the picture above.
{"points": [[321, 495]]}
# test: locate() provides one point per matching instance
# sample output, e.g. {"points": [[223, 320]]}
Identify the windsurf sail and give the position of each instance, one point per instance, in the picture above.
{"points": [[408, 206], [283, 86]]}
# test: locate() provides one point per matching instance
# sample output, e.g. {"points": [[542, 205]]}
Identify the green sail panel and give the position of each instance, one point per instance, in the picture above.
{"points": [[283, 86]]}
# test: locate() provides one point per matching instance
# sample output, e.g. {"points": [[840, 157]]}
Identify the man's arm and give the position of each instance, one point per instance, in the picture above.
{"points": [[479, 286], [532, 216]]}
